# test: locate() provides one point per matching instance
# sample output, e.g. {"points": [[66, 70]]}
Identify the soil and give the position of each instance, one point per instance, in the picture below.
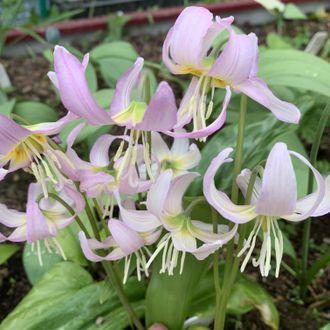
{"points": [[28, 76]]}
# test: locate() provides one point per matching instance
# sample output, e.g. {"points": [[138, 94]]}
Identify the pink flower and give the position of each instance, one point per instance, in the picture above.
{"points": [[42, 219], [165, 211], [274, 197], [191, 48]]}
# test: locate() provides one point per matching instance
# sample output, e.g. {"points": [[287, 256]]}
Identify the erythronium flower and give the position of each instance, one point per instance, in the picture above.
{"points": [[130, 109], [124, 242], [180, 158], [27, 147], [42, 219], [100, 176], [274, 197], [189, 49], [183, 235], [70, 79]]}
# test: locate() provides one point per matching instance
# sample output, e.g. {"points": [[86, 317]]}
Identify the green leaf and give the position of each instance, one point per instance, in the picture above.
{"points": [[116, 49], [297, 69], [320, 263], [113, 68], [291, 11], [91, 77], [6, 108], [325, 327], [34, 270], [103, 97], [247, 295], [6, 251], [272, 5], [275, 41], [169, 298], [66, 298], [35, 112]]}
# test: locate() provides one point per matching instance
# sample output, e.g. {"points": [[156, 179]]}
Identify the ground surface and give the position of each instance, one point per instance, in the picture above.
{"points": [[28, 75]]}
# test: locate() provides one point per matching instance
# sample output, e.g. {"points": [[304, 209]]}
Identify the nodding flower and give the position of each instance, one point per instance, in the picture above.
{"points": [[192, 46], [181, 234], [43, 218], [131, 109], [274, 197], [28, 147]]}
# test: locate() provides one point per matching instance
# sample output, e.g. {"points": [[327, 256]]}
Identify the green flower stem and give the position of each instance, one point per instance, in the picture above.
{"points": [[108, 267], [220, 313], [216, 256], [307, 225], [100, 215], [112, 273]]}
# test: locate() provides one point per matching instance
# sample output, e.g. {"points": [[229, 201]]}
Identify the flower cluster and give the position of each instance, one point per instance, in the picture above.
{"points": [[133, 184]]}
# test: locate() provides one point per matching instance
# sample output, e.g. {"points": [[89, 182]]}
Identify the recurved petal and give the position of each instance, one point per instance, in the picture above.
{"points": [[11, 218], [206, 249], [139, 220], [10, 134], [184, 43], [243, 180], [218, 199], [183, 240], [212, 128], [278, 194], [127, 239], [257, 90], [87, 248], [158, 193], [179, 185], [125, 85], [306, 207], [190, 159], [159, 146], [73, 87], [161, 113], [238, 61]]}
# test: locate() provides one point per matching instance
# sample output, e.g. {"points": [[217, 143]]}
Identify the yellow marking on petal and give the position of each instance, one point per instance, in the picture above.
{"points": [[135, 112], [25, 150]]}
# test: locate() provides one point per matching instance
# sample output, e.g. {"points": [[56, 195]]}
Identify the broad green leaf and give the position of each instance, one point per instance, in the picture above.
{"points": [[116, 49], [113, 68], [6, 251], [295, 69], [247, 295], [103, 97], [66, 298], [320, 263], [91, 77], [291, 11], [325, 327], [35, 112], [6, 108], [36, 267], [169, 298], [275, 41]]}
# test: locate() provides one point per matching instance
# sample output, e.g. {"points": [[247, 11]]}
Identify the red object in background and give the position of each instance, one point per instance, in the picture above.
{"points": [[140, 18]]}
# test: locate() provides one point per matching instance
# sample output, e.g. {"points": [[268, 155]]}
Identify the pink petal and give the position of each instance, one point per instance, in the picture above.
{"points": [[158, 193], [11, 218], [243, 181], [238, 61], [10, 134], [212, 128], [179, 185], [218, 199], [140, 221], [87, 246], [127, 239], [159, 146], [306, 207], [161, 112], [324, 206], [257, 90], [125, 85], [278, 194], [184, 43], [74, 90]]}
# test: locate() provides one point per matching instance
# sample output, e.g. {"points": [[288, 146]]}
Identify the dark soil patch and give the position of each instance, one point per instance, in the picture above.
{"points": [[28, 75]]}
